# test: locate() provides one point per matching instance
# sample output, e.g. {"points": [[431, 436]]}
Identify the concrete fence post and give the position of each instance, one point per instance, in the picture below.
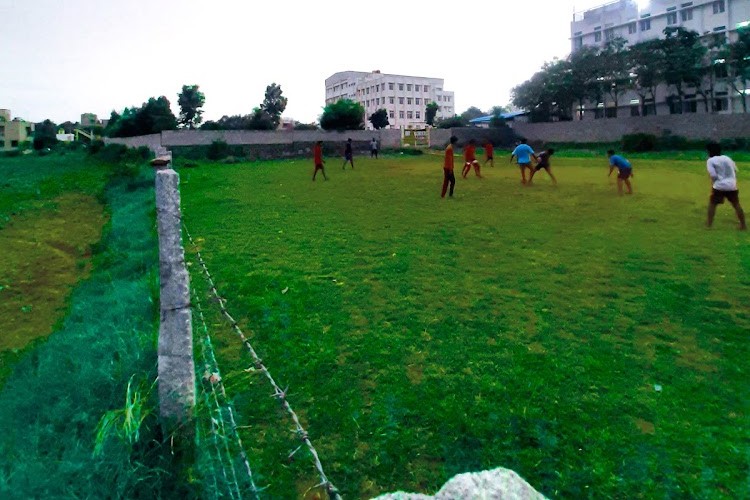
{"points": [[175, 351]]}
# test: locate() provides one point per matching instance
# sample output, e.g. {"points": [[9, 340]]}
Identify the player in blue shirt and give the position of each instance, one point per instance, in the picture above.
{"points": [[523, 154], [625, 170]]}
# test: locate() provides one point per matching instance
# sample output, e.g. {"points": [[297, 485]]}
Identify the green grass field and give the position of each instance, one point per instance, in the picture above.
{"points": [[595, 344]]}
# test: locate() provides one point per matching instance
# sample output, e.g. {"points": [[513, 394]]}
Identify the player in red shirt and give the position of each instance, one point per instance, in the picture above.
{"points": [[470, 159], [448, 176], [318, 159], [489, 153]]}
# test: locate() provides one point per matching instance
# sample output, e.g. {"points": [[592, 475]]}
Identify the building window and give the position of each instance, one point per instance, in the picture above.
{"points": [[718, 6], [391, 99], [720, 69], [401, 114], [632, 28], [426, 88], [417, 101], [672, 18], [367, 102], [408, 100], [416, 88], [609, 34], [367, 91], [408, 87], [409, 115], [14, 144], [646, 25], [635, 110], [400, 100], [687, 15], [721, 104], [390, 114], [577, 42], [390, 86], [419, 115], [597, 34], [401, 86], [440, 98]]}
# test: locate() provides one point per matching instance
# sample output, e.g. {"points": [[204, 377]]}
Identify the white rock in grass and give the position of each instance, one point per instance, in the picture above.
{"points": [[497, 484]]}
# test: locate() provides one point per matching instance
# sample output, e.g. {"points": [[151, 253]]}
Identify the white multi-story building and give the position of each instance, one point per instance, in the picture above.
{"points": [[403, 97], [638, 21]]}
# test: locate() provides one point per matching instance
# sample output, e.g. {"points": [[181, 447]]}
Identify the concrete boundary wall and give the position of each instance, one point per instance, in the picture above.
{"points": [[691, 126]]}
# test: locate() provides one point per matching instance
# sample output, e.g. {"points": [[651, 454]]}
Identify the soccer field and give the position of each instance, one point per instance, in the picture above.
{"points": [[595, 344]]}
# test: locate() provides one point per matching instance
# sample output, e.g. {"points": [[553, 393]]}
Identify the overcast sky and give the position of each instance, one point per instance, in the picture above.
{"points": [[61, 58]]}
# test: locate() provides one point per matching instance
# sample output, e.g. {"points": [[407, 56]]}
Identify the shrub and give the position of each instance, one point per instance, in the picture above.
{"points": [[218, 150], [638, 143], [410, 151]]}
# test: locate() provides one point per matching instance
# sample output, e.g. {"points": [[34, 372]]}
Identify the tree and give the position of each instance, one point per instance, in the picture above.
{"points": [[471, 113], [343, 114], [191, 100], [305, 126], [45, 134], [430, 113], [683, 53], [737, 56], [615, 71], [453, 122], [274, 104], [152, 117], [645, 62], [379, 119]]}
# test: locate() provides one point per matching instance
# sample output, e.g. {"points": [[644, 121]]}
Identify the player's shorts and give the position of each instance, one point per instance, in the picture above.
{"points": [[540, 166], [347, 156], [490, 157], [625, 173], [717, 197], [319, 166], [524, 165]]}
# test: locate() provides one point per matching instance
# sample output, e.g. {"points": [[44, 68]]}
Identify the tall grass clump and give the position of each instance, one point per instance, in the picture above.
{"points": [[77, 412]]}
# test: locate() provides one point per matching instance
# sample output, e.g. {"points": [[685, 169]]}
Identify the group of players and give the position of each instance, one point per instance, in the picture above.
{"points": [[721, 170]]}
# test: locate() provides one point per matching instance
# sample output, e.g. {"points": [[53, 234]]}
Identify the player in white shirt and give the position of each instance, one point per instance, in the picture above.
{"points": [[723, 173]]}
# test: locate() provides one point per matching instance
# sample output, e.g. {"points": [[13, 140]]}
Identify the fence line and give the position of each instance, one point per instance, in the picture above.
{"points": [[280, 394], [212, 378]]}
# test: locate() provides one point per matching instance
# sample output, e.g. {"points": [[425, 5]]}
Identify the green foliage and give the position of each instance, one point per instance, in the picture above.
{"points": [[471, 113], [45, 135], [343, 114], [453, 122], [410, 151], [539, 350], [190, 100], [737, 55], [638, 142], [152, 117], [430, 112], [217, 150], [273, 106], [305, 126], [379, 119]]}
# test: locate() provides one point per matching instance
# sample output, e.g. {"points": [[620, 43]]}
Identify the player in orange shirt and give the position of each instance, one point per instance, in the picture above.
{"points": [[448, 175], [470, 159], [489, 153], [318, 159]]}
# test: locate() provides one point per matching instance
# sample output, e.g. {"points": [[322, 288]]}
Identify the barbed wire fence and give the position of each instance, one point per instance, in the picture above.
{"points": [[228, 451]]}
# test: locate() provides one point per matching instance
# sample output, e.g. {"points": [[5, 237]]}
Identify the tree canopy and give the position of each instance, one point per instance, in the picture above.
{"points": [[379, 119], [430, 113], [273, 104], [343, 114], [191, 100], [152, 117]]}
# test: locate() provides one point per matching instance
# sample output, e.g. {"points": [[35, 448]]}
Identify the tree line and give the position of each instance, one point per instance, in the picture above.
{"points": [[680, 61]]}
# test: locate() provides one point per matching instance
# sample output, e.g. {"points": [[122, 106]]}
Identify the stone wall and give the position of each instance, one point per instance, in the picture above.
{"points": [[691, 126], [153, 141], [500, 137]]}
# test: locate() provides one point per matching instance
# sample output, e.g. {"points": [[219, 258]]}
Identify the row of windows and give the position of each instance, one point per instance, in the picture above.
{"points": [[392, 100], [645, 23], [391, 86], [409, 115]]}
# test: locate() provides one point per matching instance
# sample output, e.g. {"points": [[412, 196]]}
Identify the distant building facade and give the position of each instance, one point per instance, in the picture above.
{"points": [[13, 133], [405, 98], [625, 19]]}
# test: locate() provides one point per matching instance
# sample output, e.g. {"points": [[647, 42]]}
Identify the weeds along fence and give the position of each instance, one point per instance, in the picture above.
{"points": [[221, 453]]}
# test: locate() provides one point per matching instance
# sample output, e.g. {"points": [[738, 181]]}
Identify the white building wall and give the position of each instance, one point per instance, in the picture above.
{"points": [[405, 98]]}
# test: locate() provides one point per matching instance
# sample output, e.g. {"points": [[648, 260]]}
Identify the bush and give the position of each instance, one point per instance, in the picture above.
{"points": [[638, 143], [13, 153], [736, 144], [95, 147], [217, 150]]}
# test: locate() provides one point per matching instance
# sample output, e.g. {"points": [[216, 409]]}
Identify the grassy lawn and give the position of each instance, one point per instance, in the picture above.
{"points": [[595, 344], [50, 216]]}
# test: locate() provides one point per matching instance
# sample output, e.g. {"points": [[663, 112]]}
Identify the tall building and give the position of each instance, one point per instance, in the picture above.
{"points": [[14, 133], [638, 21], [403, 97]]}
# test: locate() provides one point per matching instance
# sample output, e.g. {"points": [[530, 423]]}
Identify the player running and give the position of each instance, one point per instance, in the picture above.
{"points": [[348, 155], [625, 171], [523, 154], [543, 163], [723, 173], [489, 153], [470, 159], [318, 160], [448, 176]]}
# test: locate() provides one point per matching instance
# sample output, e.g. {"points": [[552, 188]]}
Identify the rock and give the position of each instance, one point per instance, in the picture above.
{"points": [[497, 484]]}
